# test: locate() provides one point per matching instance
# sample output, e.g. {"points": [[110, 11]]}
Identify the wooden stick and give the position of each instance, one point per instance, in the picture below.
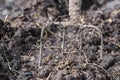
{"points": [[41, 46]]}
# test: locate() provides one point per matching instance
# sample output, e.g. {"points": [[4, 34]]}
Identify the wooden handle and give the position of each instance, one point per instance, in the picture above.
{"points": [[74, 9]]}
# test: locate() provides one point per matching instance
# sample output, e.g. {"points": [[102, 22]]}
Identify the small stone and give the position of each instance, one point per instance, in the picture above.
{"points": [[58, 76], [5, 12], [69, 77], [44, 72], [1, 23]]}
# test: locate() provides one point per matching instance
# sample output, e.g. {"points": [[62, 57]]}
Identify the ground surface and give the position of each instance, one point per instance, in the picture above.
{"points": [[20, 35]]}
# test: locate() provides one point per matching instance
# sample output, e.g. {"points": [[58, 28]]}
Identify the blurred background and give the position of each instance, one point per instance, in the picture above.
{"points": [[5, 7], [8, 6]]}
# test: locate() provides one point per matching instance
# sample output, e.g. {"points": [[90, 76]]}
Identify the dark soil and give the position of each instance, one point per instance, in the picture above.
{"points": [[20, 41]]}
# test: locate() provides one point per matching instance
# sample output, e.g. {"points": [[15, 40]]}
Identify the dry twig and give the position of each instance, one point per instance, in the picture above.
{"points": [[41, 45], [63, 42]]}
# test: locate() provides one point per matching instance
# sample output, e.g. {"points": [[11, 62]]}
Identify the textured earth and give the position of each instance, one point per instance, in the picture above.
{"points": [[21, 23]]}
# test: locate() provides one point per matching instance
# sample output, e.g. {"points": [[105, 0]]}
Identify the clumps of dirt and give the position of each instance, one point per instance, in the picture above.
{"points": [[20, 35], [17, 46]]}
